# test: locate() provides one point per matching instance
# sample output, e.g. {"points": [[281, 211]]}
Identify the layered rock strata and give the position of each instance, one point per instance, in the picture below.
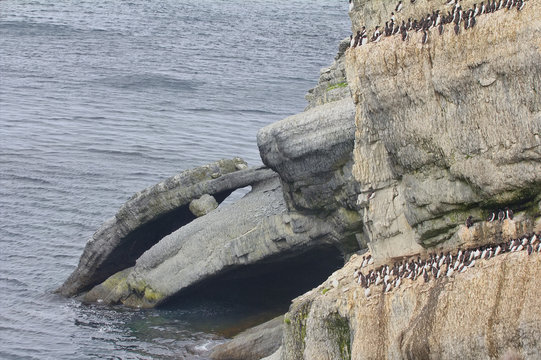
{"points": [[446, 129], [312, 153], [151, 214], [257, 228]]}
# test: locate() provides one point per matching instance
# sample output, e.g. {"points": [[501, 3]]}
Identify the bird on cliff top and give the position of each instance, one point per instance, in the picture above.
{"points": [[508, 213], [520, 4], [398, 7], [469, 222]]}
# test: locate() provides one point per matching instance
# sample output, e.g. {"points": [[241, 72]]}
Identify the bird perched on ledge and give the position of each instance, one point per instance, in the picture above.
{"points": [[469, 222]]}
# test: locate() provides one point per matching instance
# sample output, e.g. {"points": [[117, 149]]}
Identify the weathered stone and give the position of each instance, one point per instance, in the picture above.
{"points": [[312, 153], [276, 356], [480, 314], [332, 85], [152, 214], [203, 205], [256, 228], [253, 344], [447, 129]]}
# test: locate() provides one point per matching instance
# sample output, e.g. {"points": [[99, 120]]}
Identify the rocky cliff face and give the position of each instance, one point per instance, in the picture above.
{"points": [[483, 313], [332, 84], [445, 129], [448, 128]]}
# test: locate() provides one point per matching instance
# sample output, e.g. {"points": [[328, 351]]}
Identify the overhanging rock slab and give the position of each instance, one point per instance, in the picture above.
{"points": [[150, 215]]}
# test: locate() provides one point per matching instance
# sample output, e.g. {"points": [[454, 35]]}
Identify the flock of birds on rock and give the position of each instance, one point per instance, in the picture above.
{"points": [[438, 265], [456, 16], [499, 215]]}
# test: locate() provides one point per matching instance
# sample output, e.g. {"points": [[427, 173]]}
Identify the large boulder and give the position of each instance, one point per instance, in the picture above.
{"points": [[150, 215], [313, 154]]}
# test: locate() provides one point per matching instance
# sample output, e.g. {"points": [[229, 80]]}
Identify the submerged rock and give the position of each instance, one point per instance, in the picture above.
{"points": [[253, 344], [152, 214]]}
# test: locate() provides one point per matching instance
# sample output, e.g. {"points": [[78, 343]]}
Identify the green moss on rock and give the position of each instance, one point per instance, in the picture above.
{"points": [[338, 329], [337, 86]]}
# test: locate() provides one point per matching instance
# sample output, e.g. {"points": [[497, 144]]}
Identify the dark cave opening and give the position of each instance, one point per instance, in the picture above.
{"points": [[143, 238], [245, 296]]}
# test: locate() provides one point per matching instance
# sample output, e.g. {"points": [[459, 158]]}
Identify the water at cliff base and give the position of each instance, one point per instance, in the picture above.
{"points": [[100, 99]]}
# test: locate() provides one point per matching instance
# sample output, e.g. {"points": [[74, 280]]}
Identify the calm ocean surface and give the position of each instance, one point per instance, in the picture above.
{"points": [[100, 99]]}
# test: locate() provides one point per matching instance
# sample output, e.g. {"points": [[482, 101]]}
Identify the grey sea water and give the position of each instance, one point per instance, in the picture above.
{"points": [[100, 99]]}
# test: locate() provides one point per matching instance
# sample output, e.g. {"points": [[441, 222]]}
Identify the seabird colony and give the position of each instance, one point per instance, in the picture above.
{"points": [[438, 265], [457, 16]]}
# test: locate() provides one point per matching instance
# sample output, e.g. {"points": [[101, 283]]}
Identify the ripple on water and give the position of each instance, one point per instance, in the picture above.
{"points": [[100, 99]]}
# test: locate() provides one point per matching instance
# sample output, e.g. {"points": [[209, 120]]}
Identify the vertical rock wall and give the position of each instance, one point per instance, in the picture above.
{"points": [[448, 128]]}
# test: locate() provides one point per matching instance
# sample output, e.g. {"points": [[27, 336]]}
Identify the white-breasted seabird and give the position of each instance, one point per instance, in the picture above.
{"points": [[351, 5], [398, 7], [367, 292], [508, 213]]}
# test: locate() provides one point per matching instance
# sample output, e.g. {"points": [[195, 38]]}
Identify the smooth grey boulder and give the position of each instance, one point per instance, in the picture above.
{"points": [[253, 344], [150, 215], [255, 229], [203, 205]]}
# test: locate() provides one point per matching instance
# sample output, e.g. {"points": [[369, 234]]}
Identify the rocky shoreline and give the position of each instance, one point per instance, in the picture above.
{"points": [[401, 142]]}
